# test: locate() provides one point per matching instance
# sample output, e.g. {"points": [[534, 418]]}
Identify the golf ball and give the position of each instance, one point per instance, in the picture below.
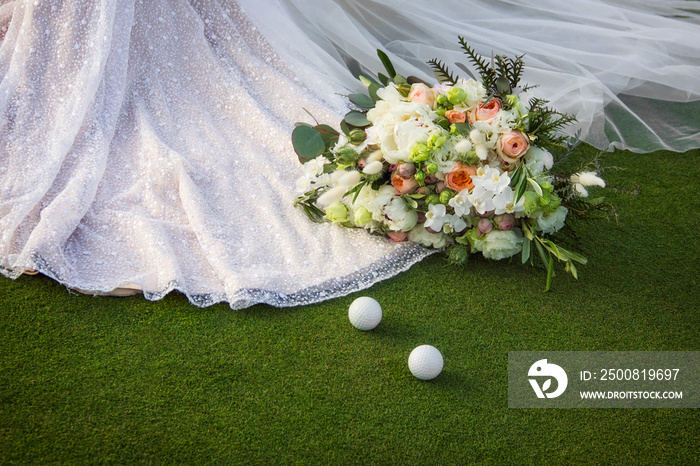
{"points": [[365, 313], [425, 362]]}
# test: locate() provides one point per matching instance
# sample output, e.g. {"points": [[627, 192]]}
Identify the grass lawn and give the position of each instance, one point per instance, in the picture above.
{"points": [[125, 380]]}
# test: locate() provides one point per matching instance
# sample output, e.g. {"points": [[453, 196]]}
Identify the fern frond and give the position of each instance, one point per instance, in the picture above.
{"points": [[488, 74], [442, 73]]}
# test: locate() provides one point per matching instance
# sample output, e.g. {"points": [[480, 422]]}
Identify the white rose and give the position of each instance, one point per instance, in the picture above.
{"points": [[375, 201], [410, 133], [423, 237], [500, 244], [474, 89], [399, 216], [551, 223]]}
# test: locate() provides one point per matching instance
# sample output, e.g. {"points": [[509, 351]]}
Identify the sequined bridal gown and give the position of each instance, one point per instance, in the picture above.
{"points": [[146, 143]]}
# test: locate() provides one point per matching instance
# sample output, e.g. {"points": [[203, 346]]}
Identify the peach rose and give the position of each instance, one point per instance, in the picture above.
{"points": [[398, 236], [403, 185], [422, 94], [485, 111], [455, 116], [460, 178], [511, 146]]}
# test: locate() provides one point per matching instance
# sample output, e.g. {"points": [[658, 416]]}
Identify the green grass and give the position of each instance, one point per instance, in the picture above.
{"points": [[124, 380]]}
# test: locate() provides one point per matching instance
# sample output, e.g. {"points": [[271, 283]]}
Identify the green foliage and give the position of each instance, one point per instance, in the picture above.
{"points": [[307, 142], [545, 124], [486, 71], [90, 380], [442, 73]]}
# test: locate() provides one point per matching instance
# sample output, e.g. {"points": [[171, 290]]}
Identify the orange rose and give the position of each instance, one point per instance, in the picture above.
{"points": [[460, 178], [455, 116], [511, 146], [403, 185], [485, 111]]}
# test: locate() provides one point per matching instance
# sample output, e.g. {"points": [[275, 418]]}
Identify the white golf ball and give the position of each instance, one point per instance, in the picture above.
{"points": [[365, 313], [425, 362]]}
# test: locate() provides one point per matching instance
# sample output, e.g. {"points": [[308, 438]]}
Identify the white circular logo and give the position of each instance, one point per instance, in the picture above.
{"points": [[542, 369]]}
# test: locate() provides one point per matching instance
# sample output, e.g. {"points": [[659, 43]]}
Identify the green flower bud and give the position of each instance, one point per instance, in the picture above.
{"points": [[446, 195], [420, 153], [546, 186], [456, 95], [512, 100], [443, 122], [362, 216], [346, 156], [442, 100], [432, 168], [404, 89], [553, 204], [435, 141], [458, 254], [432, 199], [420, 177], [337, 212], [357, 136]]}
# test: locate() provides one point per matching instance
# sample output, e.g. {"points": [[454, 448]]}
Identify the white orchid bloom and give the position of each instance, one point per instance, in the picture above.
{"points": [[460, 203], [496, 180], [504, 204], [435, 217], [481, 199], [453, 224]]}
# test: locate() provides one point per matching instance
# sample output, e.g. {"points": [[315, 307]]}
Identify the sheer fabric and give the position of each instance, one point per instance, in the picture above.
{"points": [[147, 142], [627, 69]]}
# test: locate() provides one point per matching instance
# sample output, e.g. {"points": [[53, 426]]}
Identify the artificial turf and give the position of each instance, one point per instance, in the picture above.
{"points": [[125, 380]]}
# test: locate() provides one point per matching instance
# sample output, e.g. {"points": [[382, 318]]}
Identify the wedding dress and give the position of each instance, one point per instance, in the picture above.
{"points": [[146, 143]]}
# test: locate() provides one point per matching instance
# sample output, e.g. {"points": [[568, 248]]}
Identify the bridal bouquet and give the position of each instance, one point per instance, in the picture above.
{"points": [[463, 165]]}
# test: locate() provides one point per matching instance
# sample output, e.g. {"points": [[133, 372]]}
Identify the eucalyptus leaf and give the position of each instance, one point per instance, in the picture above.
{"points": [[373, 88], [384, 79], [328, 134], [503, 85], [357, 119], [307, 142], [398, 80], [362, 100], [345, 128]]}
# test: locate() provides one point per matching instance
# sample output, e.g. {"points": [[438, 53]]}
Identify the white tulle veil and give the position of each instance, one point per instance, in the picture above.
{"points": [[628, 69]]}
